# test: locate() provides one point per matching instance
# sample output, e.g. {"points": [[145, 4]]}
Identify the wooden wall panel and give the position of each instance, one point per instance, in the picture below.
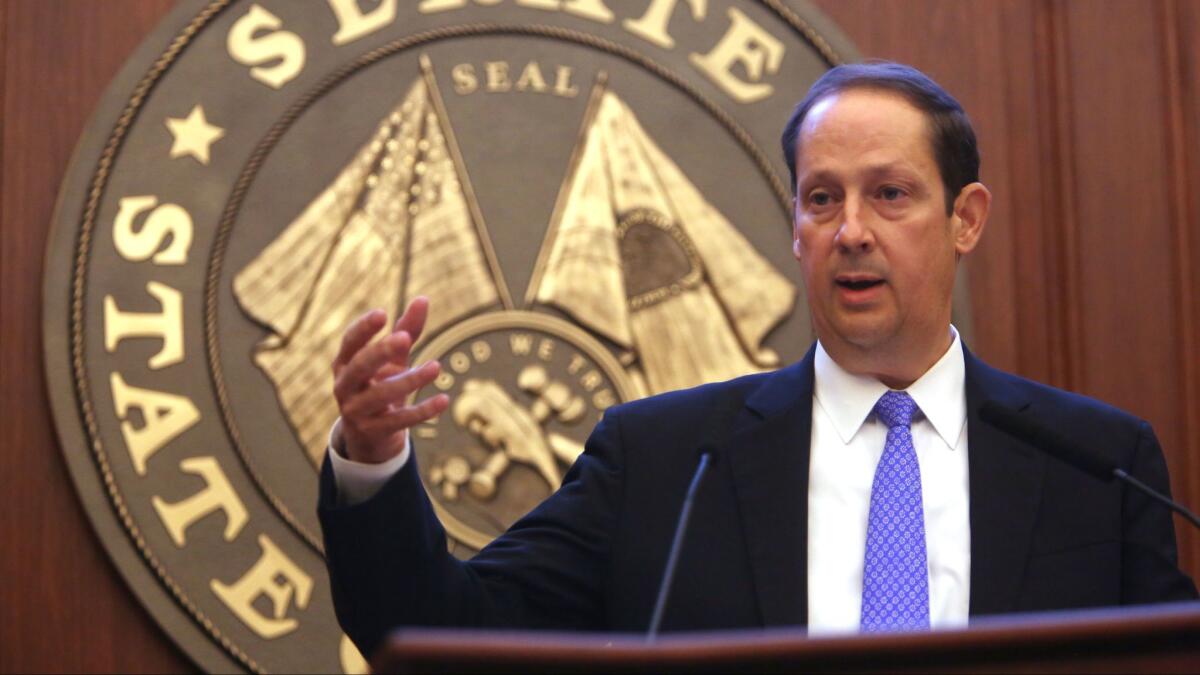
{"points": [[63, 607], [1088, 113], [1123, 217], [1054, 227], [1180, 26], [1133, 348], [1031, 170]]}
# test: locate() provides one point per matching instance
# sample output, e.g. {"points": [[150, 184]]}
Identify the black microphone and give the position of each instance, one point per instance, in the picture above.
{"points": [[707, 455], [1026, 428]]}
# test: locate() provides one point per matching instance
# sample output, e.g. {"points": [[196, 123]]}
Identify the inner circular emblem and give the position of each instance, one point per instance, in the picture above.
{"points": [[525, 391], [588, 192]]}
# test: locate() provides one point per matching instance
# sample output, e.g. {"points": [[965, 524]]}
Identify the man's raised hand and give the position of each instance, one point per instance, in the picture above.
{"points": [[372, 382]]}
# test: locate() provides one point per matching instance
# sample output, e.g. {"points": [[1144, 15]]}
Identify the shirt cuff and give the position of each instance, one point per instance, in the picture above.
{"points": [[358, 481]]}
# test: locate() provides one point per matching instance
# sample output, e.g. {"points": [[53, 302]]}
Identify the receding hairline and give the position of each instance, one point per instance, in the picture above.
{"points": [[952, 137], [867, 87]]}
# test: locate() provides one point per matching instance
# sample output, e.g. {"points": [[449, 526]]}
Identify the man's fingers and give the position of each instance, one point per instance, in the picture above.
{"points": [[413, 319], [390, 392], [357, 334], [388, 370], [406, 417], [357, 374]]}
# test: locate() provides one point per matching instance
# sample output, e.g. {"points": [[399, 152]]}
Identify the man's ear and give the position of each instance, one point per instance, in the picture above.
{"points": [[970, 216], [795, 228]]}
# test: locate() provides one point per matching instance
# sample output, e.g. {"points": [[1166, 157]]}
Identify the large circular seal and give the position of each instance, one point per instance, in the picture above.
{"points": [[587, 190]]}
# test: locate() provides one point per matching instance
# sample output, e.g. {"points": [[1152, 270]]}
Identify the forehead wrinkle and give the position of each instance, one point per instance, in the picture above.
{"points": [[899, 166]]}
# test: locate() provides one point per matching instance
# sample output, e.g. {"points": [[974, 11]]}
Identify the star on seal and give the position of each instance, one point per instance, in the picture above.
{"points": [[194, 135]]}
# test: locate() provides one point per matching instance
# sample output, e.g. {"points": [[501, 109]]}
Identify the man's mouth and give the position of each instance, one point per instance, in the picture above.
{"points": [[858, 283]]}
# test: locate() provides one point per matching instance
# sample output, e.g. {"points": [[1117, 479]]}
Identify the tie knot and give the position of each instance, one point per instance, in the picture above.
{"points": [[896, 409]]}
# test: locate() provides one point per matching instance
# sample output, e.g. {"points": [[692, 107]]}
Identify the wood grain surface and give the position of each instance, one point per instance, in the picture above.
{"points": [[1160, 640], [63, 606]]}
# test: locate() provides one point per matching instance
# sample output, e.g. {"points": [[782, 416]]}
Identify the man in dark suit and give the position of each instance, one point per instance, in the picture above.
{"points": [[856, 489]]}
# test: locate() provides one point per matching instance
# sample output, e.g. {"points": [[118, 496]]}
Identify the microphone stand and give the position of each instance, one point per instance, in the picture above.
{"points": [[664, 590]]}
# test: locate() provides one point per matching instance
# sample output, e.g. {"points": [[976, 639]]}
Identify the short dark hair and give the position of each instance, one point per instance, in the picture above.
{"points": [[951, 135]]}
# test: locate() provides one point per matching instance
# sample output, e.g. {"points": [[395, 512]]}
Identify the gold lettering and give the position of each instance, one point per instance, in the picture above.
{"points": [[279, 45], [354, 24], [562, 83], [431, 6], [164, 416], [498, 79], [594, 10], [264, 579], [750, 45], [520, 343], [166, 325], [588, 9], [497, 76], [168, 220], [464, 78], [531, 78], [577, 363], [460, 362], [546, 349], [352, 660], [652, 27], [217, 494]]}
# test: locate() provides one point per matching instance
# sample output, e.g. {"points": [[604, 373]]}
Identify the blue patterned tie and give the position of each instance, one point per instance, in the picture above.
{"points": [[895, 570]]}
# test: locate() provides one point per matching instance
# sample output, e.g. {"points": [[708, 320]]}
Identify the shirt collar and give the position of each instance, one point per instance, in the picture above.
{"points": [[940, 393]]}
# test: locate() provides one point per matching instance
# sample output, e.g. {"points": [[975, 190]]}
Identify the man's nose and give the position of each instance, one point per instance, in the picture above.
{"points": [[854, 234]]}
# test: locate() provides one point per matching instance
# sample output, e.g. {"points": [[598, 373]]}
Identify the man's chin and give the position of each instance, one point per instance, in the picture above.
{"points": [[863, 332]]}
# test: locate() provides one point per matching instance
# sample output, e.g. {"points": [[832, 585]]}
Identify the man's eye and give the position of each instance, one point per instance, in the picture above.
{"points": [[891, 193], [819, 199]]}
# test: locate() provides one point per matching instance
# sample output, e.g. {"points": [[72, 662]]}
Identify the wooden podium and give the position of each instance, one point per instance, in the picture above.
{"points": [[1160, 639]]}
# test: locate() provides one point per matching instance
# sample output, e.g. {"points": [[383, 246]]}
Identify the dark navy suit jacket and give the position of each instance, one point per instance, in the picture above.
{"points": [[1043, 534]]}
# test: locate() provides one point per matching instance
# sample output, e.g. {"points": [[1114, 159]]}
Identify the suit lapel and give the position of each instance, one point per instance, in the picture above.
{"points": [[768, 454], [1005, 479]]}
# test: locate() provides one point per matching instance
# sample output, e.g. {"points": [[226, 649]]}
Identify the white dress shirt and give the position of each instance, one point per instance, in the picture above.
{"points": [[847, 442], [358, 481]]}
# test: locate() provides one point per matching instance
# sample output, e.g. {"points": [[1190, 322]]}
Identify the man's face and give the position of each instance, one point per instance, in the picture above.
{"points": [[871, 231]]}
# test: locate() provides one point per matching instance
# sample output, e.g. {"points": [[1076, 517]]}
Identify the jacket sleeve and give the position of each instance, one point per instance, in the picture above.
{"points": [[389, 566], [1149, 566]]}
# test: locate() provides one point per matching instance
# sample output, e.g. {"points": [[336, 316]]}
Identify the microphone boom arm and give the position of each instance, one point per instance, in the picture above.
{"points": [[1028, 430]]}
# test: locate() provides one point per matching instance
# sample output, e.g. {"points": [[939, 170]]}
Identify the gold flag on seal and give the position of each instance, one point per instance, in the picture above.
{"points": [[636, 253], [393, 225]]}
